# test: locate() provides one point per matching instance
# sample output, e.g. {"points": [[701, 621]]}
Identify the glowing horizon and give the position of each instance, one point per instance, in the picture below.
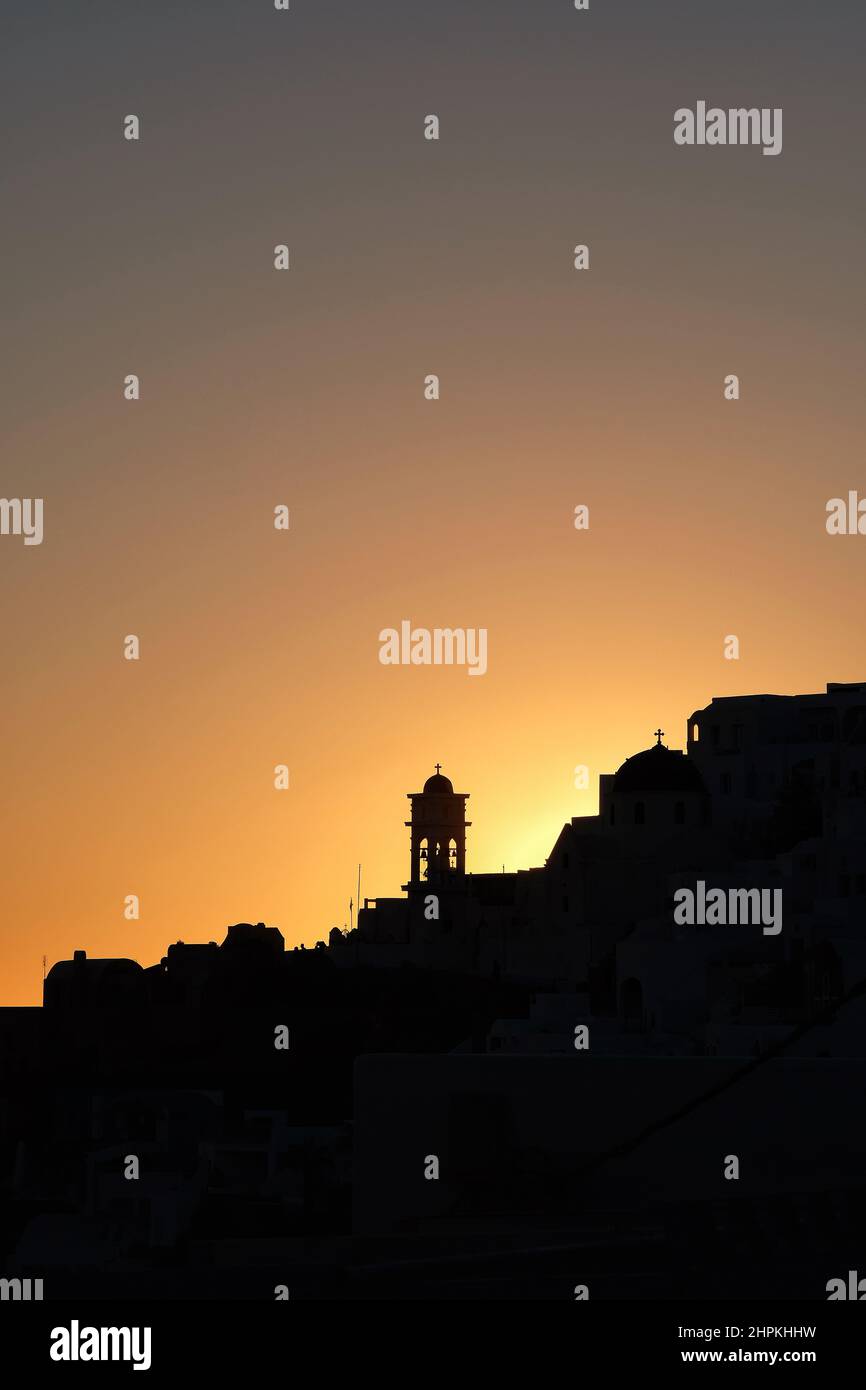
{"points": [[305, 388]]}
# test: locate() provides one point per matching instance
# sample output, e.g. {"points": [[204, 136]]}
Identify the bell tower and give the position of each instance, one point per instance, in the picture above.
{"points": [[438, 833]]}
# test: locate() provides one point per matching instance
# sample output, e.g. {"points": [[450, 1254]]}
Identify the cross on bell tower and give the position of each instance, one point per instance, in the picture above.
{"points": [[438, 832], [658, 733]]}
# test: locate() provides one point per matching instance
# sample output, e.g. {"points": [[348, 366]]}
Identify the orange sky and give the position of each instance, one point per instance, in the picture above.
{"points": [[558, 388]]}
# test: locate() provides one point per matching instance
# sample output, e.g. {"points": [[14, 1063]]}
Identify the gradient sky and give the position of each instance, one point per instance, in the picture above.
{"points": [[558, 388]]}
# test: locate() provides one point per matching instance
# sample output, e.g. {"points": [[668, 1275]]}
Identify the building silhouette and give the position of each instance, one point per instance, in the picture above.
{"points": [[578, 1059], [769, 794]]}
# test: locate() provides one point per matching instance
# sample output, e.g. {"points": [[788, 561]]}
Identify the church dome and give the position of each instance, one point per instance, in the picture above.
{"points": [[438, 783], [658, 769]]}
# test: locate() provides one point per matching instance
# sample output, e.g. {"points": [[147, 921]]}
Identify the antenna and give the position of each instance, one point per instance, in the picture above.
{"points": [[357, 903]]}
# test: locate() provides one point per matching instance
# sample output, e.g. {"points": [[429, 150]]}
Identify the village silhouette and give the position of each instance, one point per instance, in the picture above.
{"points": [[582, 1067]]}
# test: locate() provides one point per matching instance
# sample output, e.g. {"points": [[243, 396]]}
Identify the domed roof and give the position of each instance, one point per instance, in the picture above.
{"points": [[438, 783], [658, 769]]}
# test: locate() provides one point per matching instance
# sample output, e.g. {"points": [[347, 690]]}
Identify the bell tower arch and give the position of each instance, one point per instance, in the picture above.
{"points": [[437, 828]]}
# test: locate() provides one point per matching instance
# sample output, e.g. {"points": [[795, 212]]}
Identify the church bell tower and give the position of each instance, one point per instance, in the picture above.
{"points": [[438, 833]]}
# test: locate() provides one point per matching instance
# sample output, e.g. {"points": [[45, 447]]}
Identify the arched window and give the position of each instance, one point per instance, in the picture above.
{"points": [[680, 813], [639, 813], [696, 733]]}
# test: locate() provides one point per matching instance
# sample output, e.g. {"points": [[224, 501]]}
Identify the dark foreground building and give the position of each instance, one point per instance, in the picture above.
{"points": [[636, 1071]]}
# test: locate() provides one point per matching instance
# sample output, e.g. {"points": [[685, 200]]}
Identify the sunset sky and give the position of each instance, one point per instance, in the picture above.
{"points": [[408, 257]]}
